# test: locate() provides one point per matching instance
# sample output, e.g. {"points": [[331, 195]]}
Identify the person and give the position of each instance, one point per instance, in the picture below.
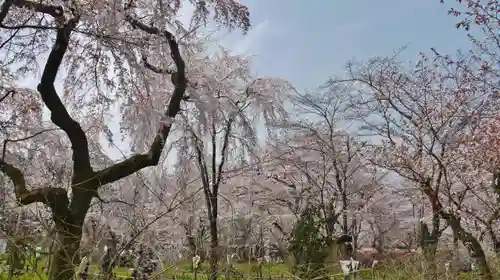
{"points": [[105, 262], [38, 253], [83, 268], [150, 266], [136, 274]]}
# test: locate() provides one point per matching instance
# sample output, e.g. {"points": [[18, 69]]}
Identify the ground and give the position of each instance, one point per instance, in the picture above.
{"points": [[182, 271]]}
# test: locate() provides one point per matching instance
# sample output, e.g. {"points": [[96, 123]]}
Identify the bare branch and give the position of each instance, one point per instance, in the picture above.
{"points": [[6, 141], [10, 92]]}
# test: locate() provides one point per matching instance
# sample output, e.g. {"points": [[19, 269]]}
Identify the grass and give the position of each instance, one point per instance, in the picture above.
{"points": [[182, 271]]}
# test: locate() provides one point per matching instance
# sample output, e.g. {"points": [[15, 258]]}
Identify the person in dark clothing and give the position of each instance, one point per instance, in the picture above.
{"points": [[149, 264], [84, 268], [137, 273], [105, 263]]}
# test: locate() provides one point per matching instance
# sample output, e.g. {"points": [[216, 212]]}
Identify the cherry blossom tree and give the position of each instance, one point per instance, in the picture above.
{"points": [[100, 50], [383, 216], [421, 118], [318, 161], [191, 215], [220, 129], [480, 20]]}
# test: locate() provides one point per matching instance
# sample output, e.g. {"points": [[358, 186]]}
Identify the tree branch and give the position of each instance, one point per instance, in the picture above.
{"points": [[55, 198], [6, 141], [5, 9], [154, 68], [225, 146], [55, 11], [173, 74], [152, 157], [58, 113], [10, 92]]}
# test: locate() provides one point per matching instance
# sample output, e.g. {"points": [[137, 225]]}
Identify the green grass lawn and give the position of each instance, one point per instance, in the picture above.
{"points": [[182, 271]]}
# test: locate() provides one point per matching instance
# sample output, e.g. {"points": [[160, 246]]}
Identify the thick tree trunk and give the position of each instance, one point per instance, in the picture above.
{"points": [[473, 246], [65, 257], [455, 262], [69, 229]]}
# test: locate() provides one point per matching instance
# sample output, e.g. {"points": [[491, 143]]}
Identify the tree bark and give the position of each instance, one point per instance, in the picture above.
{"points": [[69, 217], [65, 258], [214, 239], [473, 246], [69, 228], [455, 261]]}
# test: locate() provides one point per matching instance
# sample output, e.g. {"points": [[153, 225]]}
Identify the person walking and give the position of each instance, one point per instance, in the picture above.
{"points": [[83, 268]]}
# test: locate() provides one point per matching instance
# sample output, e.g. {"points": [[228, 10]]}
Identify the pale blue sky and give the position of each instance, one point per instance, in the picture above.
{"points": [[307, 41]]}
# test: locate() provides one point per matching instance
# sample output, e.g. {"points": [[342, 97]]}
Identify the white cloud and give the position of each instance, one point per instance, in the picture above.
{"points": [[251, 42]]}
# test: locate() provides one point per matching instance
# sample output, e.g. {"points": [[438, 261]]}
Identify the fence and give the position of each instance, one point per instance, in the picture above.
{"points": [[365, 274]]}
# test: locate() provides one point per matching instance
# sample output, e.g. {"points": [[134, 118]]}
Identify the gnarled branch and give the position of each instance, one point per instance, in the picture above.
{"points": [[156, 69], [59, 115], [152, 157], [173, 74], [53, 10], [55, 198]]}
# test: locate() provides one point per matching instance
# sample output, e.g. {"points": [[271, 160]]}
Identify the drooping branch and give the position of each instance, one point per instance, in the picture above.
{"points": [[55, 198], [6, 141], [152, 157]]}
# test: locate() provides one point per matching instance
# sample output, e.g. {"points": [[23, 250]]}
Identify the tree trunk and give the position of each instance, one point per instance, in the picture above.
{"points": [[65, 257], [473, 246], [345, 229], [214, 243], [212, 213], [428, 243], [69, 229], [455, 262]]}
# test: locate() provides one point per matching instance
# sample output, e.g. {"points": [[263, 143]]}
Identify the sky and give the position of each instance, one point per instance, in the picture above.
{"points": [[308, 41]]}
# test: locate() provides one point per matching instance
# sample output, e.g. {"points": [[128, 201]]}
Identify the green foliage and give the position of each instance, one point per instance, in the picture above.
{"points": [[403, 271], [309, 246]]}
